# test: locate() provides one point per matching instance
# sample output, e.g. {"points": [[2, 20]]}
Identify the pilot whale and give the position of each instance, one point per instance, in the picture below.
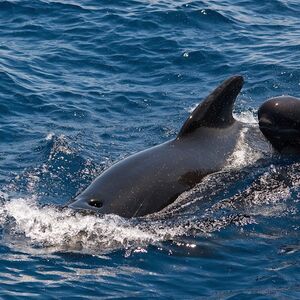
{"points": [[279, 121], [147, 182]]}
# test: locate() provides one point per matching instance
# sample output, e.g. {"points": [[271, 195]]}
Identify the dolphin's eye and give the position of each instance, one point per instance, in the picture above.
{"points": [[95, 203]]}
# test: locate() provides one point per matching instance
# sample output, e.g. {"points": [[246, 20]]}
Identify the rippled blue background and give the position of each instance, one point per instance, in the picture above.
{"points": [[85, 83]]}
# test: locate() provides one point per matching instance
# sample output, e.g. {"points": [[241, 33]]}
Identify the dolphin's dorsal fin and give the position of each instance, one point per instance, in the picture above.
{"points": [[216, 110]]}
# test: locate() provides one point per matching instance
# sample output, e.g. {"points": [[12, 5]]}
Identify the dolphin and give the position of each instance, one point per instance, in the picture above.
{"points": [[148, 181], [279, 121]]}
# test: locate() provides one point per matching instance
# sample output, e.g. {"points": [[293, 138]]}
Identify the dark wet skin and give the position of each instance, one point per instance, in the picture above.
{"points": [[279, 121], [150, 180]]}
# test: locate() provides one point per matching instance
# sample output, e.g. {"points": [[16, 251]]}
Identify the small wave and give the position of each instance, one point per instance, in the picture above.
{"points": [[36, 7], [60, 173]]}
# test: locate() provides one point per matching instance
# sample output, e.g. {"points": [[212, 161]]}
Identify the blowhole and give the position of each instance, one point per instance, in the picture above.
{"points": [[95, 203]]}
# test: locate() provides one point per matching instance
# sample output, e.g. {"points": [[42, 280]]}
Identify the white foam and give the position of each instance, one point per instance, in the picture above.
{"points": [[53, 227], [247, 117], [192, 108], [49, 136], [243, 155]]}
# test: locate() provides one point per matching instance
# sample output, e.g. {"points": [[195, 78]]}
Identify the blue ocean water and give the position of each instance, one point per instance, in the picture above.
{"points": [[86, 83]]}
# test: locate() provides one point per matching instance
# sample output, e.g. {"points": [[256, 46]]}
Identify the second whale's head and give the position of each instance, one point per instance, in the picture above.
{"points": [[279, 121]]}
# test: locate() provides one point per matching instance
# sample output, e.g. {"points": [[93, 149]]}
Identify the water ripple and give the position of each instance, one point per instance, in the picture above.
{"points": [[84, 84]]}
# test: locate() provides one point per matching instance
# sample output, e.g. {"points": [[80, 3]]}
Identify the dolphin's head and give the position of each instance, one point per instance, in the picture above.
{"points": [[127, 188], [109, 193], [279, 121]]}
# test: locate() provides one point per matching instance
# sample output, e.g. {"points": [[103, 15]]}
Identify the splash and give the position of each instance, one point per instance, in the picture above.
{"points": [[247, 117], [244, 154], [52, 227], [64, 230]]}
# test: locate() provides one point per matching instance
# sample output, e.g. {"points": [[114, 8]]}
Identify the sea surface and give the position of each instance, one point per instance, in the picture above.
{"points": [[84, 84]]}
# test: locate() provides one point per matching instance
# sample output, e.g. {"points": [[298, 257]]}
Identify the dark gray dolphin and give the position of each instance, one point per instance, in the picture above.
{"points": [[279, 121], [150, 180]]}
